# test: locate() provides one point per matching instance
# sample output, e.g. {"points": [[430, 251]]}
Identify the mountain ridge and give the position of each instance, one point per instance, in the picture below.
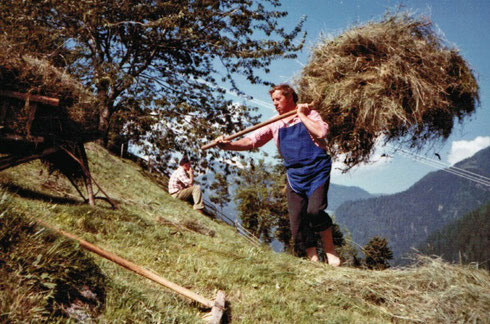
{"points": [[408, 217]]}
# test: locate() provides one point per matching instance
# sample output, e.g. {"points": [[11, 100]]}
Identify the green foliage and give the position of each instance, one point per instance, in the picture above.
{"points": [[220, 195], [377, 253], [43, 277], [347, 252], [466, 240], [261, 201], [156, 64]]}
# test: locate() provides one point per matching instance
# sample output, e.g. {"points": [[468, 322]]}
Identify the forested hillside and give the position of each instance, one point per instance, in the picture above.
{"points": [[339, 194], [466, 240], [406, 219]]}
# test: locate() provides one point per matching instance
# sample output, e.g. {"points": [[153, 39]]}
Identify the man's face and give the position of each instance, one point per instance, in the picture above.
{"points": [[186, 166], [282, 103]]}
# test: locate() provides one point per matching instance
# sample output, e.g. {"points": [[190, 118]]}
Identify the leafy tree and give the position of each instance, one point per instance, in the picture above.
{"points": [[155, 65], [220, 195], [377, 253], [261, 202], [279, 206]]}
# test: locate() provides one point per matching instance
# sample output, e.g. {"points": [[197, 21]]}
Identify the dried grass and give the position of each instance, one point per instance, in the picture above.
{"points": [[430, 291], [76, 118], [394, 78]]}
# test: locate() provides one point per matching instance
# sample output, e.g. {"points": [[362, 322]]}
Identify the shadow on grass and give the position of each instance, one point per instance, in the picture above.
{"points": [[36, 195]]}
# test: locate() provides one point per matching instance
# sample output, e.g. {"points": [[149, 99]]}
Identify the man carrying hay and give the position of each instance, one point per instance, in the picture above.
{"points": [[181, 185], [300, 139]]}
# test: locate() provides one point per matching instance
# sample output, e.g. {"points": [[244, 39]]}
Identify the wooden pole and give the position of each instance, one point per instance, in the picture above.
{"points": [[11, 161], [26, 96], [87, 172], [133, 267], [250, 129]]}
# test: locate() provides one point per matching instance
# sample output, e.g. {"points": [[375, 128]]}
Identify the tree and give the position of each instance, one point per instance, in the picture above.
{"points": [[279, 206], [155, 65], [261, 202], [220, 195], [377, 253]]}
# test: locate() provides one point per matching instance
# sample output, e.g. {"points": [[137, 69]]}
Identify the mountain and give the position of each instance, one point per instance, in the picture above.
{"points": [[407, 218], [339, 194], [466, 240]]}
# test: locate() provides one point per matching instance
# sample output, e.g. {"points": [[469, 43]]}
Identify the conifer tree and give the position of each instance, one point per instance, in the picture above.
{"points": [[377, 253]]}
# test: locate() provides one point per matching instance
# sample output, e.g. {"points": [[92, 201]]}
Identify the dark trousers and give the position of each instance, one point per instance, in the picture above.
{"points": [[307, 216]]}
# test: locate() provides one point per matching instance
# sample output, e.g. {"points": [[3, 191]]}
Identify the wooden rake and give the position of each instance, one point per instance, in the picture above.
{"points": [[217, 306], [250, 129]]}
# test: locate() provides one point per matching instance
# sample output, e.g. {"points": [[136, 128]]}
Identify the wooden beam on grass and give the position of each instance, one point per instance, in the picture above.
{"points": [[217, 306]]}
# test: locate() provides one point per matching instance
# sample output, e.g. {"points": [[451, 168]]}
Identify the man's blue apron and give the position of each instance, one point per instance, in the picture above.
{"points": [[307, 165]]}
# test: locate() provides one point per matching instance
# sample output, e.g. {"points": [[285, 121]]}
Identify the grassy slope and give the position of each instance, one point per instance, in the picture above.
{"points": [[261, 286]]}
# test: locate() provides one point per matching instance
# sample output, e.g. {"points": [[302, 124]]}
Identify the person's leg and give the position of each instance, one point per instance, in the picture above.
{"points": [[321, 221], [296, 208], [197, 198], [328, 246], [184, 194]]}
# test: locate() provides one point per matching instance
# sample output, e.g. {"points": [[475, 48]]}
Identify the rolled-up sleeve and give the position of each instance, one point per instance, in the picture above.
{"points": [[315, 116], [261, 136]]}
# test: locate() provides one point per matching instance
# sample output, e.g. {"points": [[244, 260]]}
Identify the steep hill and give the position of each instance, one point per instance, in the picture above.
{"points": [[46, 278], [407, 218]]}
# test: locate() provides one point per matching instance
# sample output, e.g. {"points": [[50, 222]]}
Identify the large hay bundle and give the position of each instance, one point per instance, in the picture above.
{"points": [[393, 78], [75, 119]]}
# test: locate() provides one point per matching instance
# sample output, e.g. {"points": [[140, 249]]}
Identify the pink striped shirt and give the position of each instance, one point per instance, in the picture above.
{"points": [[271, 131]]}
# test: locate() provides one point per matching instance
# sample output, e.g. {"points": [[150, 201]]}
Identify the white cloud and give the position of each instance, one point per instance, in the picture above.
{"points": [[380, 158], [461, 150]]}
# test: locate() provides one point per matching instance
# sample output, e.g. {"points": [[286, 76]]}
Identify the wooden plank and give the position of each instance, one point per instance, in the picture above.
{"points": [[19, 138], [26, 96], [11, 161], [30, 117], [133, 267]]}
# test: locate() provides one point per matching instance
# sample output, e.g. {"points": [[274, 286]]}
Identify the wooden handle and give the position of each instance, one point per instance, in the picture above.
{"points": [[134, 267], [250, 129]]}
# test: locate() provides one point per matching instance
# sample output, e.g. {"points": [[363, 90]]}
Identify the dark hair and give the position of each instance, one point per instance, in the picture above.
{"points": [[286, 91], [184, 160]]}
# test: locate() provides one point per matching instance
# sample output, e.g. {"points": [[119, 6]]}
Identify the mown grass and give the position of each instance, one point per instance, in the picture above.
{"points": [[261, 286]]}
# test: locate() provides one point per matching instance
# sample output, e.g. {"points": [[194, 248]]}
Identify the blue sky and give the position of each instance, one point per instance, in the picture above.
{"points": [[464, 23]]}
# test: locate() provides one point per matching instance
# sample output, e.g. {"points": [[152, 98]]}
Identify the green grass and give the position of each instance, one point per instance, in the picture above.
{"points": [[261, 286]]}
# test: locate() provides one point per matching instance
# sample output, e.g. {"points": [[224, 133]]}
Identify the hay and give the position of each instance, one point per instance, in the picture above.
{"points": [[76, 117], [430, 291], [393, 79]]}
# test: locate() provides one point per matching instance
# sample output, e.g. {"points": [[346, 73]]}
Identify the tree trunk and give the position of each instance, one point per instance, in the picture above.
{"points": [[104, 114]]}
